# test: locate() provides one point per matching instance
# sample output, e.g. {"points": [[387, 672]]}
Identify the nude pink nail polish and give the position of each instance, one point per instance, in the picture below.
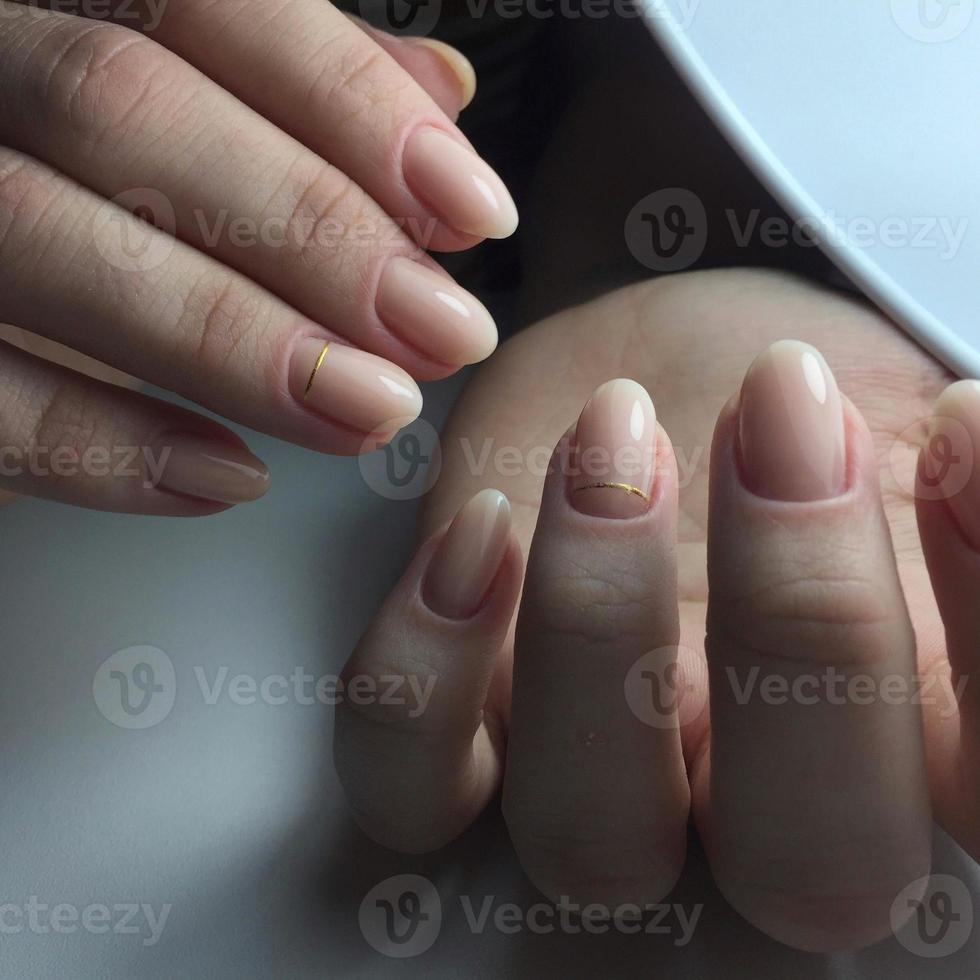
{"points": [[434, 315], [457, 185], [615, 452], [352, 387], [469, 556], [211, 469], [791, 425]]}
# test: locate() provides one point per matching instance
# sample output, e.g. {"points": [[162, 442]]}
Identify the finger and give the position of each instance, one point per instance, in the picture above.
{"points": [[116, 111], [948, 508], [90, 275], [419, 765], [306, 67], [369, 118], [596, 796], [818, 814], [68, 437], [445, 73]]}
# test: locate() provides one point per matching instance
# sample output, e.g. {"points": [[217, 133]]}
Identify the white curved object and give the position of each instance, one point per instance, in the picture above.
{"points": [[862, 120]]}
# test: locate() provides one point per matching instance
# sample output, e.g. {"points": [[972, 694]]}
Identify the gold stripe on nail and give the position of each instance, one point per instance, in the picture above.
{"points": [[316, 367], [628, 487]]}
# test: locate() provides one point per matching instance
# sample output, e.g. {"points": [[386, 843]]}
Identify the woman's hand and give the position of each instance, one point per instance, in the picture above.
{"points": [[810, 777], [293, 166]]}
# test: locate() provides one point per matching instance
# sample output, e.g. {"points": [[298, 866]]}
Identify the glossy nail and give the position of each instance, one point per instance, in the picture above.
{"points": [[469, 556], [211, 469], [456, 62], [791, 426], [461, 189], [615, 452], [950, 457], [352, 387], [434, 315]]}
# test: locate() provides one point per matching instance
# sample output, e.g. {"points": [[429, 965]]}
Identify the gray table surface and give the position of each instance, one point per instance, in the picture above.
{"points": [[215, 842]]}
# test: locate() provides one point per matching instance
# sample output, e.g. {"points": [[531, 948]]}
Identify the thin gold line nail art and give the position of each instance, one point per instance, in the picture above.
{"points": [[628, 487], [316, 367]]}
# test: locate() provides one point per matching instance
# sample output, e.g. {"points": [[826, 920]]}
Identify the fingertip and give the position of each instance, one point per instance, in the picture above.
{"points": [[469, 556], [947, 461], [455, 63]]}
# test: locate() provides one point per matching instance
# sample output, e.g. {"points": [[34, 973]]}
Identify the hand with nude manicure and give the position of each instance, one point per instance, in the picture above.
{"points": [[784, 577], [232, 201]]}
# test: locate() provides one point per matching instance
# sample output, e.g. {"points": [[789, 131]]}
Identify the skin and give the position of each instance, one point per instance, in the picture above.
{"points": [[689, 340], [287, 117]]}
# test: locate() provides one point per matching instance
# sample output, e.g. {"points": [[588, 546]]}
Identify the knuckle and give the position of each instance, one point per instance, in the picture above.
{"points": [[64, 420], [21, 196], [810, 615], [588, 605], [97, 78], [327, 214], [30, 195], [219, 321], [403, 694], [357, 73]]}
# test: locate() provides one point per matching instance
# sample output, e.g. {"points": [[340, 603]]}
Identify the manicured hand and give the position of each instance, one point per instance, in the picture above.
{"points": [[293, 165], [814, 772]]}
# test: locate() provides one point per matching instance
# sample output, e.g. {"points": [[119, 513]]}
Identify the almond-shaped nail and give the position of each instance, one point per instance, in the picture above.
{"points": [[433, 314], [615, 452], [791, 426], [951, 453], [469, 556], [457, 63], [211, 469], [352, 387], [457, 185]]}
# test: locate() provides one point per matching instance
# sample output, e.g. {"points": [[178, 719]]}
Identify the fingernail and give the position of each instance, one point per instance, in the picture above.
{"points": [[452, 180], [615, 452], [211, 469], [456, 62], [352, 387], [469, 556], [433, 314], [951, 453], [791, 425]]}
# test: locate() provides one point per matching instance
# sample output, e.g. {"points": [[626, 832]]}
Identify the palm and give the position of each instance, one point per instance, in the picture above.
{"points": [[689, 339]]}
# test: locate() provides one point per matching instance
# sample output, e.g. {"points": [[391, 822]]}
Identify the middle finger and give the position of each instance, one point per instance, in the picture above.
{"points": [[116, 111]]}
